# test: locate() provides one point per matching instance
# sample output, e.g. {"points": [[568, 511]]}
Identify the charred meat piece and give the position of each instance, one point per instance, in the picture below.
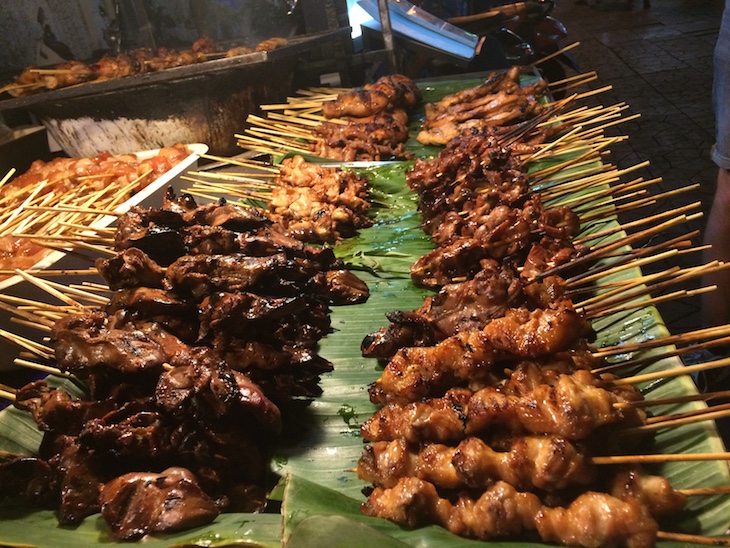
{"points": [[343, 287], [80, 475], [653, 492], [56, 411], [135, 430], [598, 519], [228, 216], [202, 274], [457, 307], [415, 373], [209, 389], [29, 478], [140, 503], [154, 231], [209, 240], [500, 511], [272, 240], [405, 329], [147, 302], [438, 420], [84, 343], [130, 268], [469, 356], [243, 312]]}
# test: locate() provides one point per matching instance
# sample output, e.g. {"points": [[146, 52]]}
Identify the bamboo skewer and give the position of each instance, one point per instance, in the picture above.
{"points": [[690, 336], [46, 287], [673, 400], [43, 368], [242, 163], [711, 416], [556, 53], [598, 271], [639, 222], [638, 362], [660, 458], [702, 491], [32, 346], [687, 414], [599, 252], [616, 298], [686, 370], [650, 302], [698, 539]]}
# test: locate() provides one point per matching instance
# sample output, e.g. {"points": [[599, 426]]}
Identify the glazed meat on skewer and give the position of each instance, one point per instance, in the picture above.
{"points": [[469, 357], [592, 520], [543, 462]]}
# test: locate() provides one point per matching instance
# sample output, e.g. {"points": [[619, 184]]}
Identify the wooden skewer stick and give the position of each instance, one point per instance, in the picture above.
{"points": [[640, 362], [714, 415], [596, 195], [556, 53], [639, 203], [575, 84], [32, 346], [36, 321], [44, 368], [22, 206], [625, 266], [47, 288], [4, 394], [609, 124], [33, 325], [69, 272], [660, 458], [682, 338], [650, 302], [628, 226], [249, 178], [294, 120], [629, 284], [553, 144], [719, 490], [697, 539], [71, 209], [597, 253], [694, 413], [666, 374], [242, 163], [598, 271], [92, 297], [707, 396], [7, 176], [625, 296]]}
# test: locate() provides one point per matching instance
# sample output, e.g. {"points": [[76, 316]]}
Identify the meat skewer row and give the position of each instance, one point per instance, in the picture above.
{"points": [[156, 361], [544, 462], [395, 91], [138, 61], [499, 101], [471, 356], [538, 398], [592, 520]]}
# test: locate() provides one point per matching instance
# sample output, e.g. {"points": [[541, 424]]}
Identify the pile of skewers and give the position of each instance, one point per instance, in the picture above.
{"points": [[139, 61], [194, 365], [496, 410], [496, 413], [33, 216], [363, 124]]}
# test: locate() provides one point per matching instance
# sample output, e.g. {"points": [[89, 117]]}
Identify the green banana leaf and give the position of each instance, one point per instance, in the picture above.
{"points": [[322, 494]]}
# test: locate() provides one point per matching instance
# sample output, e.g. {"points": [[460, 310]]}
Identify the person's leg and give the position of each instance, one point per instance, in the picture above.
{"points": [[716, 305]]}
